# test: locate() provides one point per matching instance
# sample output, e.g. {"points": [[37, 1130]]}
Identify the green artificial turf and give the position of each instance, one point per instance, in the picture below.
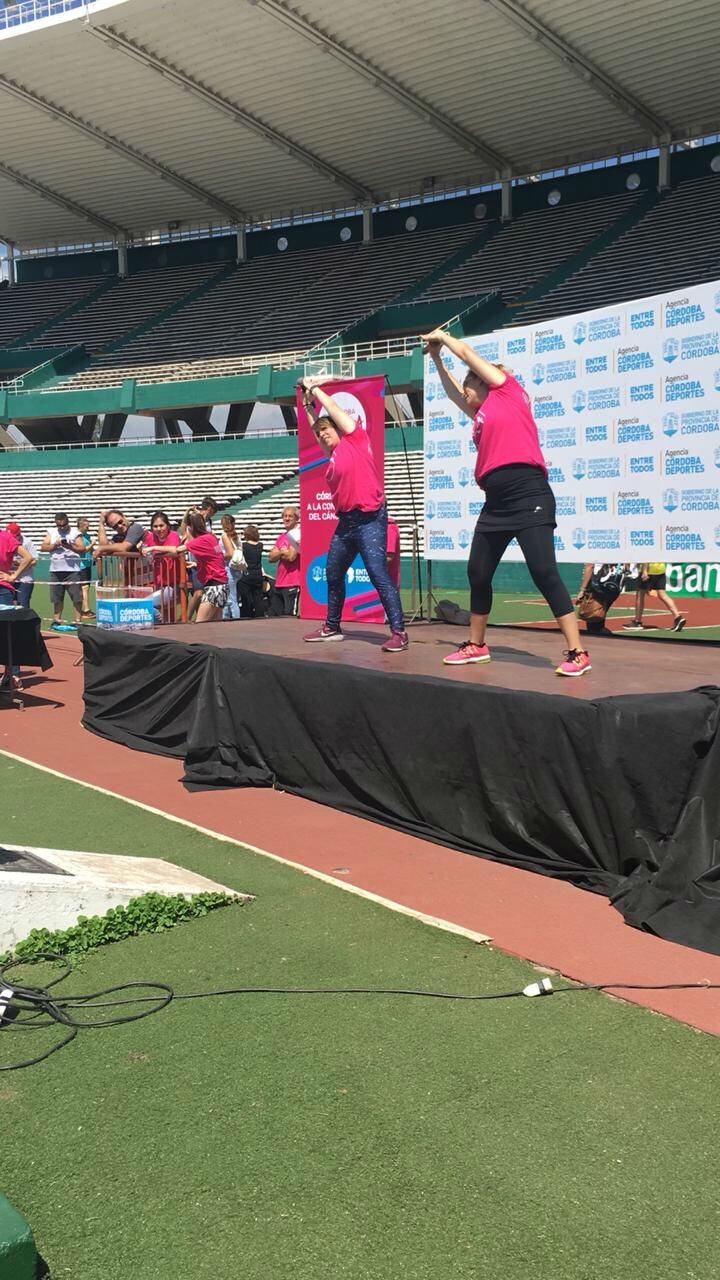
{"points": [[358, 1137]]}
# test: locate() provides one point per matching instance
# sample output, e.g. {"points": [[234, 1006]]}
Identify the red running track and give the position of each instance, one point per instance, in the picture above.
{"points": [[550, 923]]}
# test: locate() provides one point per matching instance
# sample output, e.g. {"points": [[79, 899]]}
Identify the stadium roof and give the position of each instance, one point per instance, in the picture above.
{"points": [[122, 117]]}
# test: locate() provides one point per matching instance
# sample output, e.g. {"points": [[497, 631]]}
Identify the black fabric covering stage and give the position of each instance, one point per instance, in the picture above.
{"points": [[620, 795], [21, 639]]}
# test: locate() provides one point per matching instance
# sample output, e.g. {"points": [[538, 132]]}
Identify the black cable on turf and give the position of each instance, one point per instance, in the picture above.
{"points": [[33, 1008], [26, 1008]]}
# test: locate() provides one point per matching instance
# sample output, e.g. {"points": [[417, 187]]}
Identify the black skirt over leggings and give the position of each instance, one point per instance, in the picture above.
{"points": [[519, 504]]}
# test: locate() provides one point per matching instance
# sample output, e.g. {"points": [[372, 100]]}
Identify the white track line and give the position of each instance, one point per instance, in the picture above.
{"points": [[435, 921]]}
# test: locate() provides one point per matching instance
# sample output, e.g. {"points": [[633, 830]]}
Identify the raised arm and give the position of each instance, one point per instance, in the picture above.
{"points": [[343, 421], [488, 372], [451, 386], [228, 546]]}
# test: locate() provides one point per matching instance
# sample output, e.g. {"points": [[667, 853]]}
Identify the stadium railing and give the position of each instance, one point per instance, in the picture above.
{"points": [[14, 15], [130, 576], [231, 365], [145, 442]]}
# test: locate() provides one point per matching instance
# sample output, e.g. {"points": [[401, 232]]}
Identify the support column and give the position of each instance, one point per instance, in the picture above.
{"points": [[12, 277], [88, 424], [239, 416], [112, 427], [198, 420], [122, 257], [368, 229], [241, 243], [664, 167], [167, 428], [417, 405], [289, 418], [506, 200]]}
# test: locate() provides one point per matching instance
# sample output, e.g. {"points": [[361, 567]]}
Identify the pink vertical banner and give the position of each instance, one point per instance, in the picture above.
{"points": [[364, 399]]}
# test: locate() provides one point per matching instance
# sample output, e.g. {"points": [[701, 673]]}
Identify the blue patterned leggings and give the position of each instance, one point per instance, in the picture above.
{"points": [[362, 533]]}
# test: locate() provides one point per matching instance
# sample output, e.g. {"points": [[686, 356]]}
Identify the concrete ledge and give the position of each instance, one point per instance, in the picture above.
{"points": [[18, 1255], [72, 884]]}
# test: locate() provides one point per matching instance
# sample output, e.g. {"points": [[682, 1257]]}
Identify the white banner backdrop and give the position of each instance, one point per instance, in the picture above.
{"points": [[627, 402]]}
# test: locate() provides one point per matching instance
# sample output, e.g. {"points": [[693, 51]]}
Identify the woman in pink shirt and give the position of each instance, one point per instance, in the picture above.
{"points": [[519, 502], [207, 554], [359, 500], [166, 569]]}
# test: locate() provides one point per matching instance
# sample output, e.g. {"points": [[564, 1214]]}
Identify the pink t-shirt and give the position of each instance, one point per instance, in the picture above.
{"points": [[352, 476], [8, 546], [504, 430], [393, 551], [209, 558], [287, 573], [166, 570]]}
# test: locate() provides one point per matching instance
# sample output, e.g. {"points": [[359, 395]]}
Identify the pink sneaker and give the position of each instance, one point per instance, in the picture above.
{"points": [[397, 642], [576, 663], [468, 652], [323, 633]]}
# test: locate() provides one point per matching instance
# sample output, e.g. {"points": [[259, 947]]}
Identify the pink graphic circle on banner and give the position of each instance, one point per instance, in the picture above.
{"points": [[351, 405]]}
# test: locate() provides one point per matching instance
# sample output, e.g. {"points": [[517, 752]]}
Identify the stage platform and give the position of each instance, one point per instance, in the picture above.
{"points": [[609, 781], [520, 659]]}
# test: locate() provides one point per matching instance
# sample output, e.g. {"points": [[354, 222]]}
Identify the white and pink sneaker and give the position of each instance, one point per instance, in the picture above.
{"points": [[576, 663], [468, 652], [323, 633]]}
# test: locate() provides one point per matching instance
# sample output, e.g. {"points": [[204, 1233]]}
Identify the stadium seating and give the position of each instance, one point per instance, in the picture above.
{"points": [[126, 305], [32, 497], [26, 307], [530, 248], [273, 303], [676, 244], [256, 488]]}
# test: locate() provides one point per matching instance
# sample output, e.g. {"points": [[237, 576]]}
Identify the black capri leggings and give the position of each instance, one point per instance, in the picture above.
{"points": [[538, 548]]}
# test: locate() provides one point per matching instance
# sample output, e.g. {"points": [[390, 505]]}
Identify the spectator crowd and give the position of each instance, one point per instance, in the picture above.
{"points": [[213, 566]]}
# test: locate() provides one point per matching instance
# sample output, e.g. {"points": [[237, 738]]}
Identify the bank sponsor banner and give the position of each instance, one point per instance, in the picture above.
{"points": [[364, 399], [627, 402]]}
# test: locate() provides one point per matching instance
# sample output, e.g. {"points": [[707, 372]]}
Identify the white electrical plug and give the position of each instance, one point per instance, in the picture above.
{"points": [[542, 988]]}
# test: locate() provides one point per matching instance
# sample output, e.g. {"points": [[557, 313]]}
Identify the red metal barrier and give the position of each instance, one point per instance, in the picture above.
{"points": [[132, 575]]}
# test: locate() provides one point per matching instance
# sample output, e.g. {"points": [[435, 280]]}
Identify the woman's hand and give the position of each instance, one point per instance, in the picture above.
{"points": [[433, 342]]}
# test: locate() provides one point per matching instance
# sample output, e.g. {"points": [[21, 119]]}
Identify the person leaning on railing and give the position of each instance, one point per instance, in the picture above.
{"points": [[166, 568], [118, 536], [205, 550]]}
